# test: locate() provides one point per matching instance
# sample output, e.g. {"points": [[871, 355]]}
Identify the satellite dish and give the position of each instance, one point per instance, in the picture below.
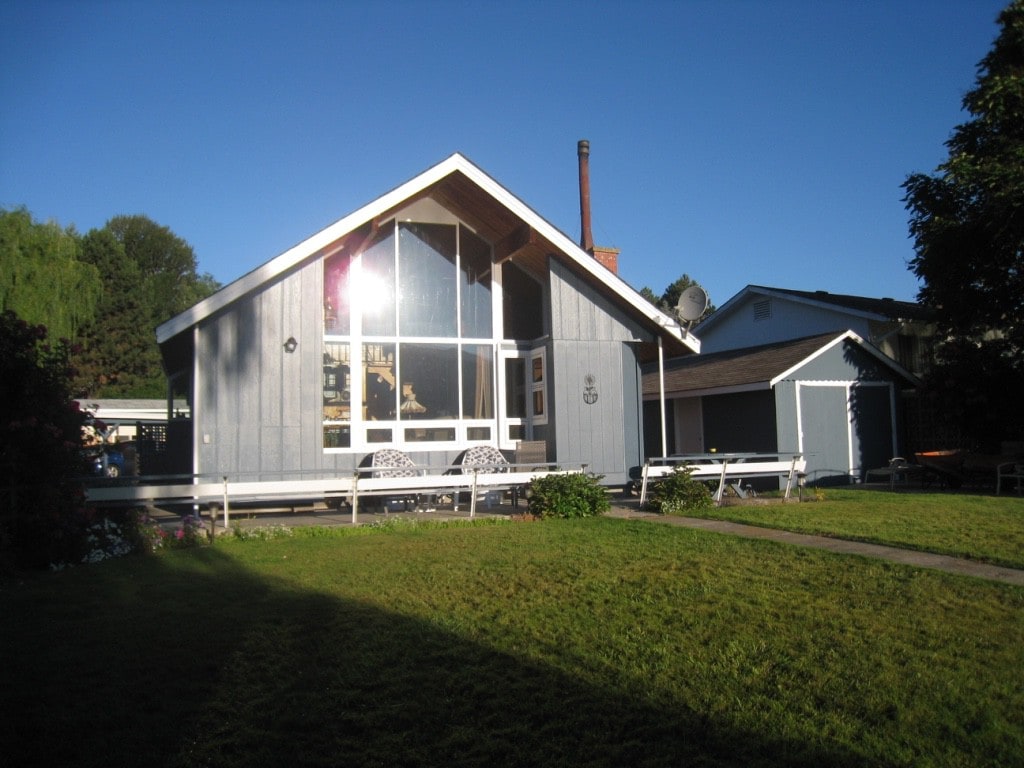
{"points": [[692, 303]]}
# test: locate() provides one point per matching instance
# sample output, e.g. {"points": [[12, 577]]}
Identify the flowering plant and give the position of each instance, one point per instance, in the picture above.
{"points": [[150, 536], [191, 532]]}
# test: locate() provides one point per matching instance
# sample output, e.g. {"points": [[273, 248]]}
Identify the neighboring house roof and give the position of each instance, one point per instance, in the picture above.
{"points": [[514, 228], [752, 368], [862, 306]]}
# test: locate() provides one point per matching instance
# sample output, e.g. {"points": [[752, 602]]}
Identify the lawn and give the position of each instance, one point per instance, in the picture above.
{"points": [[600, 642], [977, 526]]}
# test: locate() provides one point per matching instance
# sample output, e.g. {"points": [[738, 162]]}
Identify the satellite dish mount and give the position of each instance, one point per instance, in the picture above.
{"points": [[693, 302]]}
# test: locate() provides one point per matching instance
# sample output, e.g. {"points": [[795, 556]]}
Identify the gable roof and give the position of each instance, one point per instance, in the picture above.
{"points": [[515, 229], [753, 368], [860, 306]]}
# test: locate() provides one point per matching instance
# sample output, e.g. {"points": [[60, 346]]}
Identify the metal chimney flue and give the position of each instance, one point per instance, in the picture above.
{"points": [[586, 235]]}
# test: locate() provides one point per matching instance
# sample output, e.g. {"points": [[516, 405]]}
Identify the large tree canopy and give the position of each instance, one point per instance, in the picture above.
{"points": [[166, 265], [106, 292], [42, 279], [967, 223], [149, 275], [117, 355]]}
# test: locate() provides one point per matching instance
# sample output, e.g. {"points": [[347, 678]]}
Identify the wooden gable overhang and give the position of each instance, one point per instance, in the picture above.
{"points": [[517, 232]]}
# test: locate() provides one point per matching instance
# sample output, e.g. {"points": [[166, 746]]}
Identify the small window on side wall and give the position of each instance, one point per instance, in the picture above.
{"points": [[538, 387]]}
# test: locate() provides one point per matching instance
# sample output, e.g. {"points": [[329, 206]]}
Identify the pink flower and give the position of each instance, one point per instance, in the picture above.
{"points": [[180, 533]]}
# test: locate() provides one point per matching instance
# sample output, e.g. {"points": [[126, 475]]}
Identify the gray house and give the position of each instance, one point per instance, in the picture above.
{"points": [[832, 397], [442, 315], [760, 315]]}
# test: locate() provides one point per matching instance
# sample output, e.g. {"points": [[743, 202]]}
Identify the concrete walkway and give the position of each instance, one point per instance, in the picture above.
{"points": [[839, 546]]}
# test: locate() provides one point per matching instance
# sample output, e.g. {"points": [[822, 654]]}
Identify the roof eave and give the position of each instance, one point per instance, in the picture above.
{"points": [[871, 349], [661, 322]]}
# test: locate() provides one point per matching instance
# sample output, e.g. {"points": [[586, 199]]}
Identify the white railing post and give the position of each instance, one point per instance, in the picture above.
{"points": [[472, 496], [720, 493], [225, 502], [789, 480], [355, 497]]}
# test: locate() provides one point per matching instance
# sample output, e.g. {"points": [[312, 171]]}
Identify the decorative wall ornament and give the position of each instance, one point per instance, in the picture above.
{"points": [[589, 389]]}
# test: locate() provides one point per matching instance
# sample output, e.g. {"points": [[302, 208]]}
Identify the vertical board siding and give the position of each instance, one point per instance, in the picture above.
{"points": [[262, 409], [788, 320], [591, 336]]}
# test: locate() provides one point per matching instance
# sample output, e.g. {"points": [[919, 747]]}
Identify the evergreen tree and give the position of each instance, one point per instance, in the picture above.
{"points": [[670, 297], [117, 356]]}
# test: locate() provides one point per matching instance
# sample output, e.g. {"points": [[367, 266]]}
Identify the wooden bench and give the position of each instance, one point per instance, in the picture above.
{"points": [[727, 469]]}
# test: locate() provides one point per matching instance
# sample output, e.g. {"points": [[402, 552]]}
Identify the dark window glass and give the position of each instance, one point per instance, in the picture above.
{"points": [[429, 381], [380, 395], [523, 308], [475, 285], [477, 382], [426, 279]]}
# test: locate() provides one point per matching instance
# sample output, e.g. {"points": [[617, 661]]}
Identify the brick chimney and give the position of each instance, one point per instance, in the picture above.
{"points": [[607, 257]]}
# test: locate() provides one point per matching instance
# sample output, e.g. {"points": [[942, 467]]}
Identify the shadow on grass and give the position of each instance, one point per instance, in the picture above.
{"points": [[190, 660]]}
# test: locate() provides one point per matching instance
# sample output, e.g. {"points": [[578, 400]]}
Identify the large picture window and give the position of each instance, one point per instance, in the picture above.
{"points": [[414, 302]]}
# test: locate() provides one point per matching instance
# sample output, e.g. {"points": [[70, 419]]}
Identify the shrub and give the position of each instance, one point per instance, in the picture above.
{"points": [[42, 515], [147, 533], [571, 495], [261, 532], [679, 493]]}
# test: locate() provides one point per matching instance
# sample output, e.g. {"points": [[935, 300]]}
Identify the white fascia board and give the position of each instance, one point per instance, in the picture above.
{"points": [[588, 263], [816, 354], [453, 163], [303, 250], [854, 337]]}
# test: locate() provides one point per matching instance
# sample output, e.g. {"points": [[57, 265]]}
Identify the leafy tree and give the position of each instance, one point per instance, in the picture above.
{"points": [[166, 264], [42, 278], [149, 275], [967, 222], [42, 518]]}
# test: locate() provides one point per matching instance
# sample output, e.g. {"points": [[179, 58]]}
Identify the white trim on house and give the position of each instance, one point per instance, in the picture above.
{"points": [[856, 338], [455, 163]]}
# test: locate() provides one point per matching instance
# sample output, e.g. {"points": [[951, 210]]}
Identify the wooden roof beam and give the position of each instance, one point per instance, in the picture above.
{"points": [[519, 238]]}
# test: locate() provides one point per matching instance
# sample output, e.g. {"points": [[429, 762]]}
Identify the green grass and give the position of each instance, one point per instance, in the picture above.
{"points": [[980, 527], [599, 642]]}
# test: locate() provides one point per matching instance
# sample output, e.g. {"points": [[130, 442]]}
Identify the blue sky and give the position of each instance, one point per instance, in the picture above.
{"points": [[738, 141]]}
